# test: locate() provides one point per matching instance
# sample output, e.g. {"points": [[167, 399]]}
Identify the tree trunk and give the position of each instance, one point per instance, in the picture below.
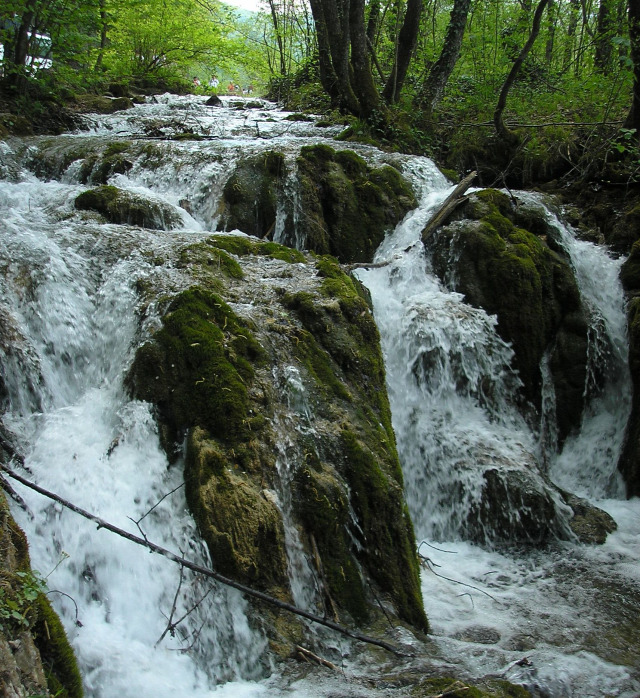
{"points": [[345, 69], [363, 85], [276, 29], [407, 40], [604, 33], [503, 132], [633, 119], [104, 28], [439, 74]]}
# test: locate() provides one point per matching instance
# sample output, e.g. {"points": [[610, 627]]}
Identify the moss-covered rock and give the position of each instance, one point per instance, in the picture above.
{"points": [[242, 527], [113, 161], [348, 206], [250, 196], [629, 463], [102, 105], [197, 367], [119, 206], [35, 653], [514, 274], [253, 464]]}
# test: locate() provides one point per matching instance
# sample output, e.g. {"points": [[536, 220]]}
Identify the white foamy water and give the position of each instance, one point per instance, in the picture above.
{"points": [[540, 618]]}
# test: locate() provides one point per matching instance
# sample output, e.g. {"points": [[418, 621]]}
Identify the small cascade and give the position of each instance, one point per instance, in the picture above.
{"points": [[304, 586], [452, 390], [454, 399], [588, 462], [70, 324]]}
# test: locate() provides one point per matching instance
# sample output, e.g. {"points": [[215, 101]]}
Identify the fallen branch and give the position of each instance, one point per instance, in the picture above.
{"points": [[448, 206], [153, 547], [307, 655]]}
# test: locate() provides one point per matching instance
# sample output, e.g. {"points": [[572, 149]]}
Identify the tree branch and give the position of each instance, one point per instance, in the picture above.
{"points": [[153, 547]]}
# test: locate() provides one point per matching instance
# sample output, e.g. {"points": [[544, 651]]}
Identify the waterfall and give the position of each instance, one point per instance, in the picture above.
{"points": [[453, 395], [73, 310]]}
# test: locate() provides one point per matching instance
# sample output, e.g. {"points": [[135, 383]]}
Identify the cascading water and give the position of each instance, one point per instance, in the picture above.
{"points": [[71, 318], [453, 396]]}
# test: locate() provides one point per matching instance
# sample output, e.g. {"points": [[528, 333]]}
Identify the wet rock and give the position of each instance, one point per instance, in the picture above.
{"points": [[589, 523], [348, 206], [295, 361], [515, 505], [38, 640], [102, 104], [513, 273], [119, 206], [629, 463], [478, 633], [214, 101], [250, 196]]}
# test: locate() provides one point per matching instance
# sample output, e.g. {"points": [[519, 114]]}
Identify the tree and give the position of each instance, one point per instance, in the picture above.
{"points": [[633, 13], [153, 37], [345, 71], [405, 46], [70, 24], [439, 74], [503, 132]]}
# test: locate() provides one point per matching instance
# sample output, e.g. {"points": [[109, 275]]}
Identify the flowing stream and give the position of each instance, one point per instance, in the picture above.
{"points": [[561, 620]]}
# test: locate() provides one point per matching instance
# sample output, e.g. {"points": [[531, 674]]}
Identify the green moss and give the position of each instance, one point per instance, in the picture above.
{"points": [[323, 506], [348, 205], [58, 659], [454, 688], [250, 194], [210, 258], [630, 271], [119, 206], [512, 273], [25, 589], [242, 246], [197, 367], [342, 323], [377, 499], [243, 530], [116, 148], [318, 153]]}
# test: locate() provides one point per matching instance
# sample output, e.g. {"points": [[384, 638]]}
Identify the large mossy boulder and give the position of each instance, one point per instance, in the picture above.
{"points": [[283, 404], [250, 196], [348, 206], [513, 273], [119, 206]]}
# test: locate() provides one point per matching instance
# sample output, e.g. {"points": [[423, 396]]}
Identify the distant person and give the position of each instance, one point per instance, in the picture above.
{"points": [[196, 82], [231, 87], [214, 82]]}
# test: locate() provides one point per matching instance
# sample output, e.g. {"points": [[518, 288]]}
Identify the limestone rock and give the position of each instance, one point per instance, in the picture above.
{"points": [[278, 381], [513, 273], [118, 206], [348, 206]]}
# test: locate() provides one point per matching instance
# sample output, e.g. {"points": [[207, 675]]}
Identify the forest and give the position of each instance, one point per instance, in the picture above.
{"points": [[554, 83]]}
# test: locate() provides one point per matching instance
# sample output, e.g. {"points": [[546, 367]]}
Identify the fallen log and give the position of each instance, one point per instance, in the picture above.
{"points": [[448, 206]]}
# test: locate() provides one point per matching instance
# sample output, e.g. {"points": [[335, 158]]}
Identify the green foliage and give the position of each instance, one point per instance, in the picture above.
{"points": [[18, 595]]}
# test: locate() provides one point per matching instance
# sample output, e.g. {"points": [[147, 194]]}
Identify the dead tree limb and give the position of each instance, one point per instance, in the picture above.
{"points": [[205, 571], [448, 206], [308, 655]]}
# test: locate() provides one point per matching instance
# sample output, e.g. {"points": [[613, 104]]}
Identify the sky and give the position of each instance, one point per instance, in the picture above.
{"points": [[244, 4]]}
